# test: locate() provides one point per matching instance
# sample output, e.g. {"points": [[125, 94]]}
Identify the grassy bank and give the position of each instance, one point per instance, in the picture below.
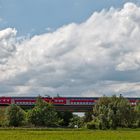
{"points": [[62, 134]]}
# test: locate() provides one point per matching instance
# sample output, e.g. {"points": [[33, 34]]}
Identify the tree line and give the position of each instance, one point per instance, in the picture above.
{"points": [[42, 115], [108, 113], [113, 112]]}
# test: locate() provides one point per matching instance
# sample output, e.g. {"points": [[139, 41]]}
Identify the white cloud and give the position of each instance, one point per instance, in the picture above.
{"points": [[99, 56]]}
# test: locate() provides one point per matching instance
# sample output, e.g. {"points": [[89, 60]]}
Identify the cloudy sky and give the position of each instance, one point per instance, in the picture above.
{"points": [[70, 48]]}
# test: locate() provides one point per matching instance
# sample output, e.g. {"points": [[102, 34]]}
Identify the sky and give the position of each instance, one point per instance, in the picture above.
{"points": [[70, 48], [32, 17]]}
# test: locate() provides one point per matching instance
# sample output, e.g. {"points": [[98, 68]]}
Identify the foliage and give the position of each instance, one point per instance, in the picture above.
{"points": [[66, 117], [91, 125], [2, 116], [113, 112], [137, 114], [15, 115], [43, 114], [108, 113], [76, 121], [88, 116]]}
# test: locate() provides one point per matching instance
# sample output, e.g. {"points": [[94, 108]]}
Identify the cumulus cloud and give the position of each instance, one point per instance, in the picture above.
{"points": [[99, 56]]}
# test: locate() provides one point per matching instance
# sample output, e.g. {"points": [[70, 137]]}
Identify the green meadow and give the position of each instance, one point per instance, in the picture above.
{"points": [[35, 134]]}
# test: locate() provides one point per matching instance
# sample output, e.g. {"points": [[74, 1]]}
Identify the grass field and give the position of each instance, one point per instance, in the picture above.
{"points": [[69, 135]]}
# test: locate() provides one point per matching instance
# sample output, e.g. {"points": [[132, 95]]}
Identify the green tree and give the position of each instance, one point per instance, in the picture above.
{"points": [[113, 112], [2, 116], [137, 114], [66, 117], [76, 121], [43, 114], [88, 116], [15, 115]]}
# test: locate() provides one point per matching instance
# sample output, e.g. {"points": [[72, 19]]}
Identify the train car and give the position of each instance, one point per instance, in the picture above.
{"points": [[5, 100], [24, 100], [29, 100], [59, 100], [133, 101], [47, 99], [81, 100]]}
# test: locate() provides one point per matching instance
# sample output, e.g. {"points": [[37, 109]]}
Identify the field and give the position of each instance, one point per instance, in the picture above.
{"points": [[69, 135]]}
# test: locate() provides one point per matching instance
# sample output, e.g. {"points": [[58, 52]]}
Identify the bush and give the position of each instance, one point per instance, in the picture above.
{"points": [[43, 114], [92, 125], [15, 115]]}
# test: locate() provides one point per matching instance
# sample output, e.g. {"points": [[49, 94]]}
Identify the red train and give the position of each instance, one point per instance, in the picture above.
{"points": [[27, 101]]}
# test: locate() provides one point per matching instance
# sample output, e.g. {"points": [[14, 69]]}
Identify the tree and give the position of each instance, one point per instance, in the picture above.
{"points": [[15, 115], [137, 114], [2, 116], [113, 112], [66, 117], [76, 121], [43, 114], [88, 116]]}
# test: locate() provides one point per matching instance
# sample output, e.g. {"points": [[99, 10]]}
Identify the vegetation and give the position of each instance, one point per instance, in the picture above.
{"points": [[2, 117], [69, 135], [108, 113], [76, 122], [66, 117], [113, 112], [15, 115], [43, 114]]}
